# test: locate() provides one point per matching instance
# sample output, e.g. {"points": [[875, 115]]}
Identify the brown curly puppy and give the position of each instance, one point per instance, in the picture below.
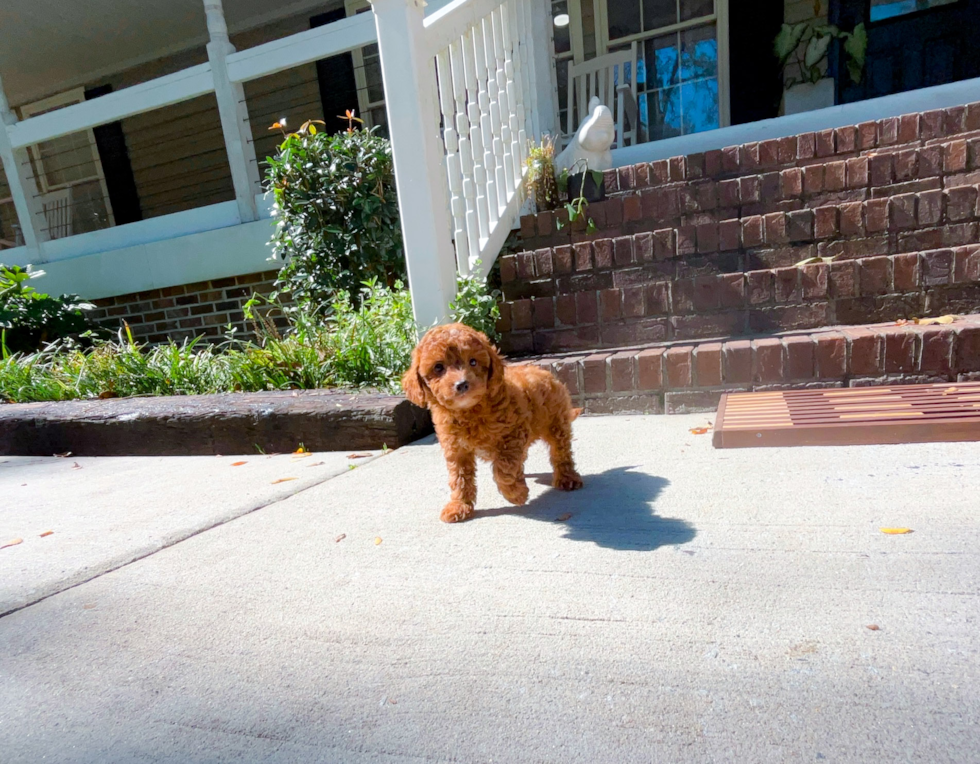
{"points": [[483, 408]]}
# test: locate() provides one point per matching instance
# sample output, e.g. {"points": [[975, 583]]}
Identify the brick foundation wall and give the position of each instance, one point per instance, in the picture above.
{"points": [[708, 245], [204, 309]]}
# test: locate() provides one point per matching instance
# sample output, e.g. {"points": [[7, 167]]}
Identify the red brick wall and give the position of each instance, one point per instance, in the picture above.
{"points": [[707, 245], [181, 312]]}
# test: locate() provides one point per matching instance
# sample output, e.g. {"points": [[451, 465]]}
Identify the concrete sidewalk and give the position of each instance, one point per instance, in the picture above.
{"points": [[697, 606], [106, 512]]}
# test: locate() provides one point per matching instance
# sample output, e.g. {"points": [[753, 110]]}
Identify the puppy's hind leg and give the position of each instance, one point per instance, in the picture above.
{"points": [[559, 440]]}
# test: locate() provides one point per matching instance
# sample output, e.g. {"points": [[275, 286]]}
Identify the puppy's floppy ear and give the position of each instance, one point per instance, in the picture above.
{"points": [[495, 375], [412, 382]]}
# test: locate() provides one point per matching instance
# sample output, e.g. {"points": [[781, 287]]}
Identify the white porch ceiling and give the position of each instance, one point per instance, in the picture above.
{"points": [[51, 45]]}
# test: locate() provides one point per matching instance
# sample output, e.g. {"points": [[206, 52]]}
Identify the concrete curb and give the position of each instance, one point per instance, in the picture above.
{"points": [[232, 423]]}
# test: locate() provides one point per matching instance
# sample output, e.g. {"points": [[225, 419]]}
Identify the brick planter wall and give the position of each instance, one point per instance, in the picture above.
{"points": [[182, 312], [693, 376]]}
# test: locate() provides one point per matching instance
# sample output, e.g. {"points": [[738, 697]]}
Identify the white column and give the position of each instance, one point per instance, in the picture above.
{"points": [[408, 70], [234, 115], [23, 186]]}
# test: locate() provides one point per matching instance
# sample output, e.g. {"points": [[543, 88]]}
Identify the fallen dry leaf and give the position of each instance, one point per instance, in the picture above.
{"points": [[340, 538], [377, 540], [89, 606], [14, 542], [46, 533], [76, 466], [107, 395], [901, 322], [896, 531], [563, 518], [930, 321], [873, 627], [699, 430], [64, 455], [238, 464], [316, 464], [358, 456], [283, 480]]}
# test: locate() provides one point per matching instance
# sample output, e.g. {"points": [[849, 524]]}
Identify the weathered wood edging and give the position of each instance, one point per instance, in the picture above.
{"points": [[230, 423]]}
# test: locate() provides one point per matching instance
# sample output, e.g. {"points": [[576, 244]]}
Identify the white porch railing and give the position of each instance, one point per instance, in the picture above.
{"points": [[464, 98], [223, 75]]}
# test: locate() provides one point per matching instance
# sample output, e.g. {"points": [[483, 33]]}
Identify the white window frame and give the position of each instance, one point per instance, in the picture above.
{"points": [[364, 105], [719, 18], [67, 98]]}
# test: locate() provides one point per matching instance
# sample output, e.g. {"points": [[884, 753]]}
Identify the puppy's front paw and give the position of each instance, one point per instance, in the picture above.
{"points": [[567, 481], [456, 512], [515, 493]]}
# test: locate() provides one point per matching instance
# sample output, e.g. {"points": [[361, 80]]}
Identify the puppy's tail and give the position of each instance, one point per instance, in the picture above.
{"points": [[575, 414]]}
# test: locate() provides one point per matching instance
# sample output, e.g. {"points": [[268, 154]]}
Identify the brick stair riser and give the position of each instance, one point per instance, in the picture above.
{"points": [[693, 377], [737, 304], [904, 223]]}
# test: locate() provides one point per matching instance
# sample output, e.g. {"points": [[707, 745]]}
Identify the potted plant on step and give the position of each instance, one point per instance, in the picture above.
{"points": [[802, 50], [540, 183], [582, 187], [587, 184]]}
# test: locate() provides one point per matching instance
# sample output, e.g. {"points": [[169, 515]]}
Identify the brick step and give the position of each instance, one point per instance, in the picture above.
{"points": [[682, 377], [691, 203], [909, 154], [638, 306], [903, 223]]}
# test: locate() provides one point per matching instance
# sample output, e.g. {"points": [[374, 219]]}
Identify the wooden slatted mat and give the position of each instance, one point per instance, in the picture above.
{"points": [[849, 416]]}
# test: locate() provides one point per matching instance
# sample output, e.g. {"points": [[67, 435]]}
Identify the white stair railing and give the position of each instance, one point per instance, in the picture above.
{"points": [[463, 101]]}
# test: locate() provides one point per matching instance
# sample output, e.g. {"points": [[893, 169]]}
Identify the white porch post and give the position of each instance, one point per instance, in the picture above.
{"points": [[408, 70], [233, 113], [23, 186], [543, 53]]}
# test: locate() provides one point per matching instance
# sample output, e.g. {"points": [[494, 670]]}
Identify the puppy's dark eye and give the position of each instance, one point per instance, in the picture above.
{"points": [[438, 368], [472, 362]]}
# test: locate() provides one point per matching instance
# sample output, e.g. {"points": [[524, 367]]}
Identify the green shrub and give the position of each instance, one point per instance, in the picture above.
{"points": [[29, 319], [366, 346], [476, 305], [337, 212]]}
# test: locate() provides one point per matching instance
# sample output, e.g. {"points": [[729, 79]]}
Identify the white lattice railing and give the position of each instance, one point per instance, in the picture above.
{"points": [[464, 99]]}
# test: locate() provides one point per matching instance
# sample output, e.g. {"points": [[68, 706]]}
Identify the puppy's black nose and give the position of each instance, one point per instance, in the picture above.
{"points": [[462, 386]]}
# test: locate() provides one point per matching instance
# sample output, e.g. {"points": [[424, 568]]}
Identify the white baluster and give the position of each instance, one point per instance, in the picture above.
{"points": [[457, 204], [527, 67], [511, 172], [492, 92], [476, 136], [465, 153], [486, 134], [518, 134]]}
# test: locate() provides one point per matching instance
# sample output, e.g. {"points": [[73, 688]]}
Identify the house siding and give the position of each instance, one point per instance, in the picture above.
{"points": [[178, 153]]}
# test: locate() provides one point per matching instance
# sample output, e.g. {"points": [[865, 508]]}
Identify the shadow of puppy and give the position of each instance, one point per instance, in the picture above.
{"points": [[615, 512]]}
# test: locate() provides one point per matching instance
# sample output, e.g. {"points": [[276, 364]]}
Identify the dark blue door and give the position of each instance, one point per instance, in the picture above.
{"points": [[911, 44]]}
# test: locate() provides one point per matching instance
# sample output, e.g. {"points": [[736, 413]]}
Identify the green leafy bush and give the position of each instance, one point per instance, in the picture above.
{"points": [[476, 305], [337, 212], [366, 346], [29, 319]]}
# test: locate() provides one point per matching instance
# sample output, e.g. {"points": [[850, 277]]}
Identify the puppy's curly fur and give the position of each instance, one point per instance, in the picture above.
{"points": [[481, 407]]}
